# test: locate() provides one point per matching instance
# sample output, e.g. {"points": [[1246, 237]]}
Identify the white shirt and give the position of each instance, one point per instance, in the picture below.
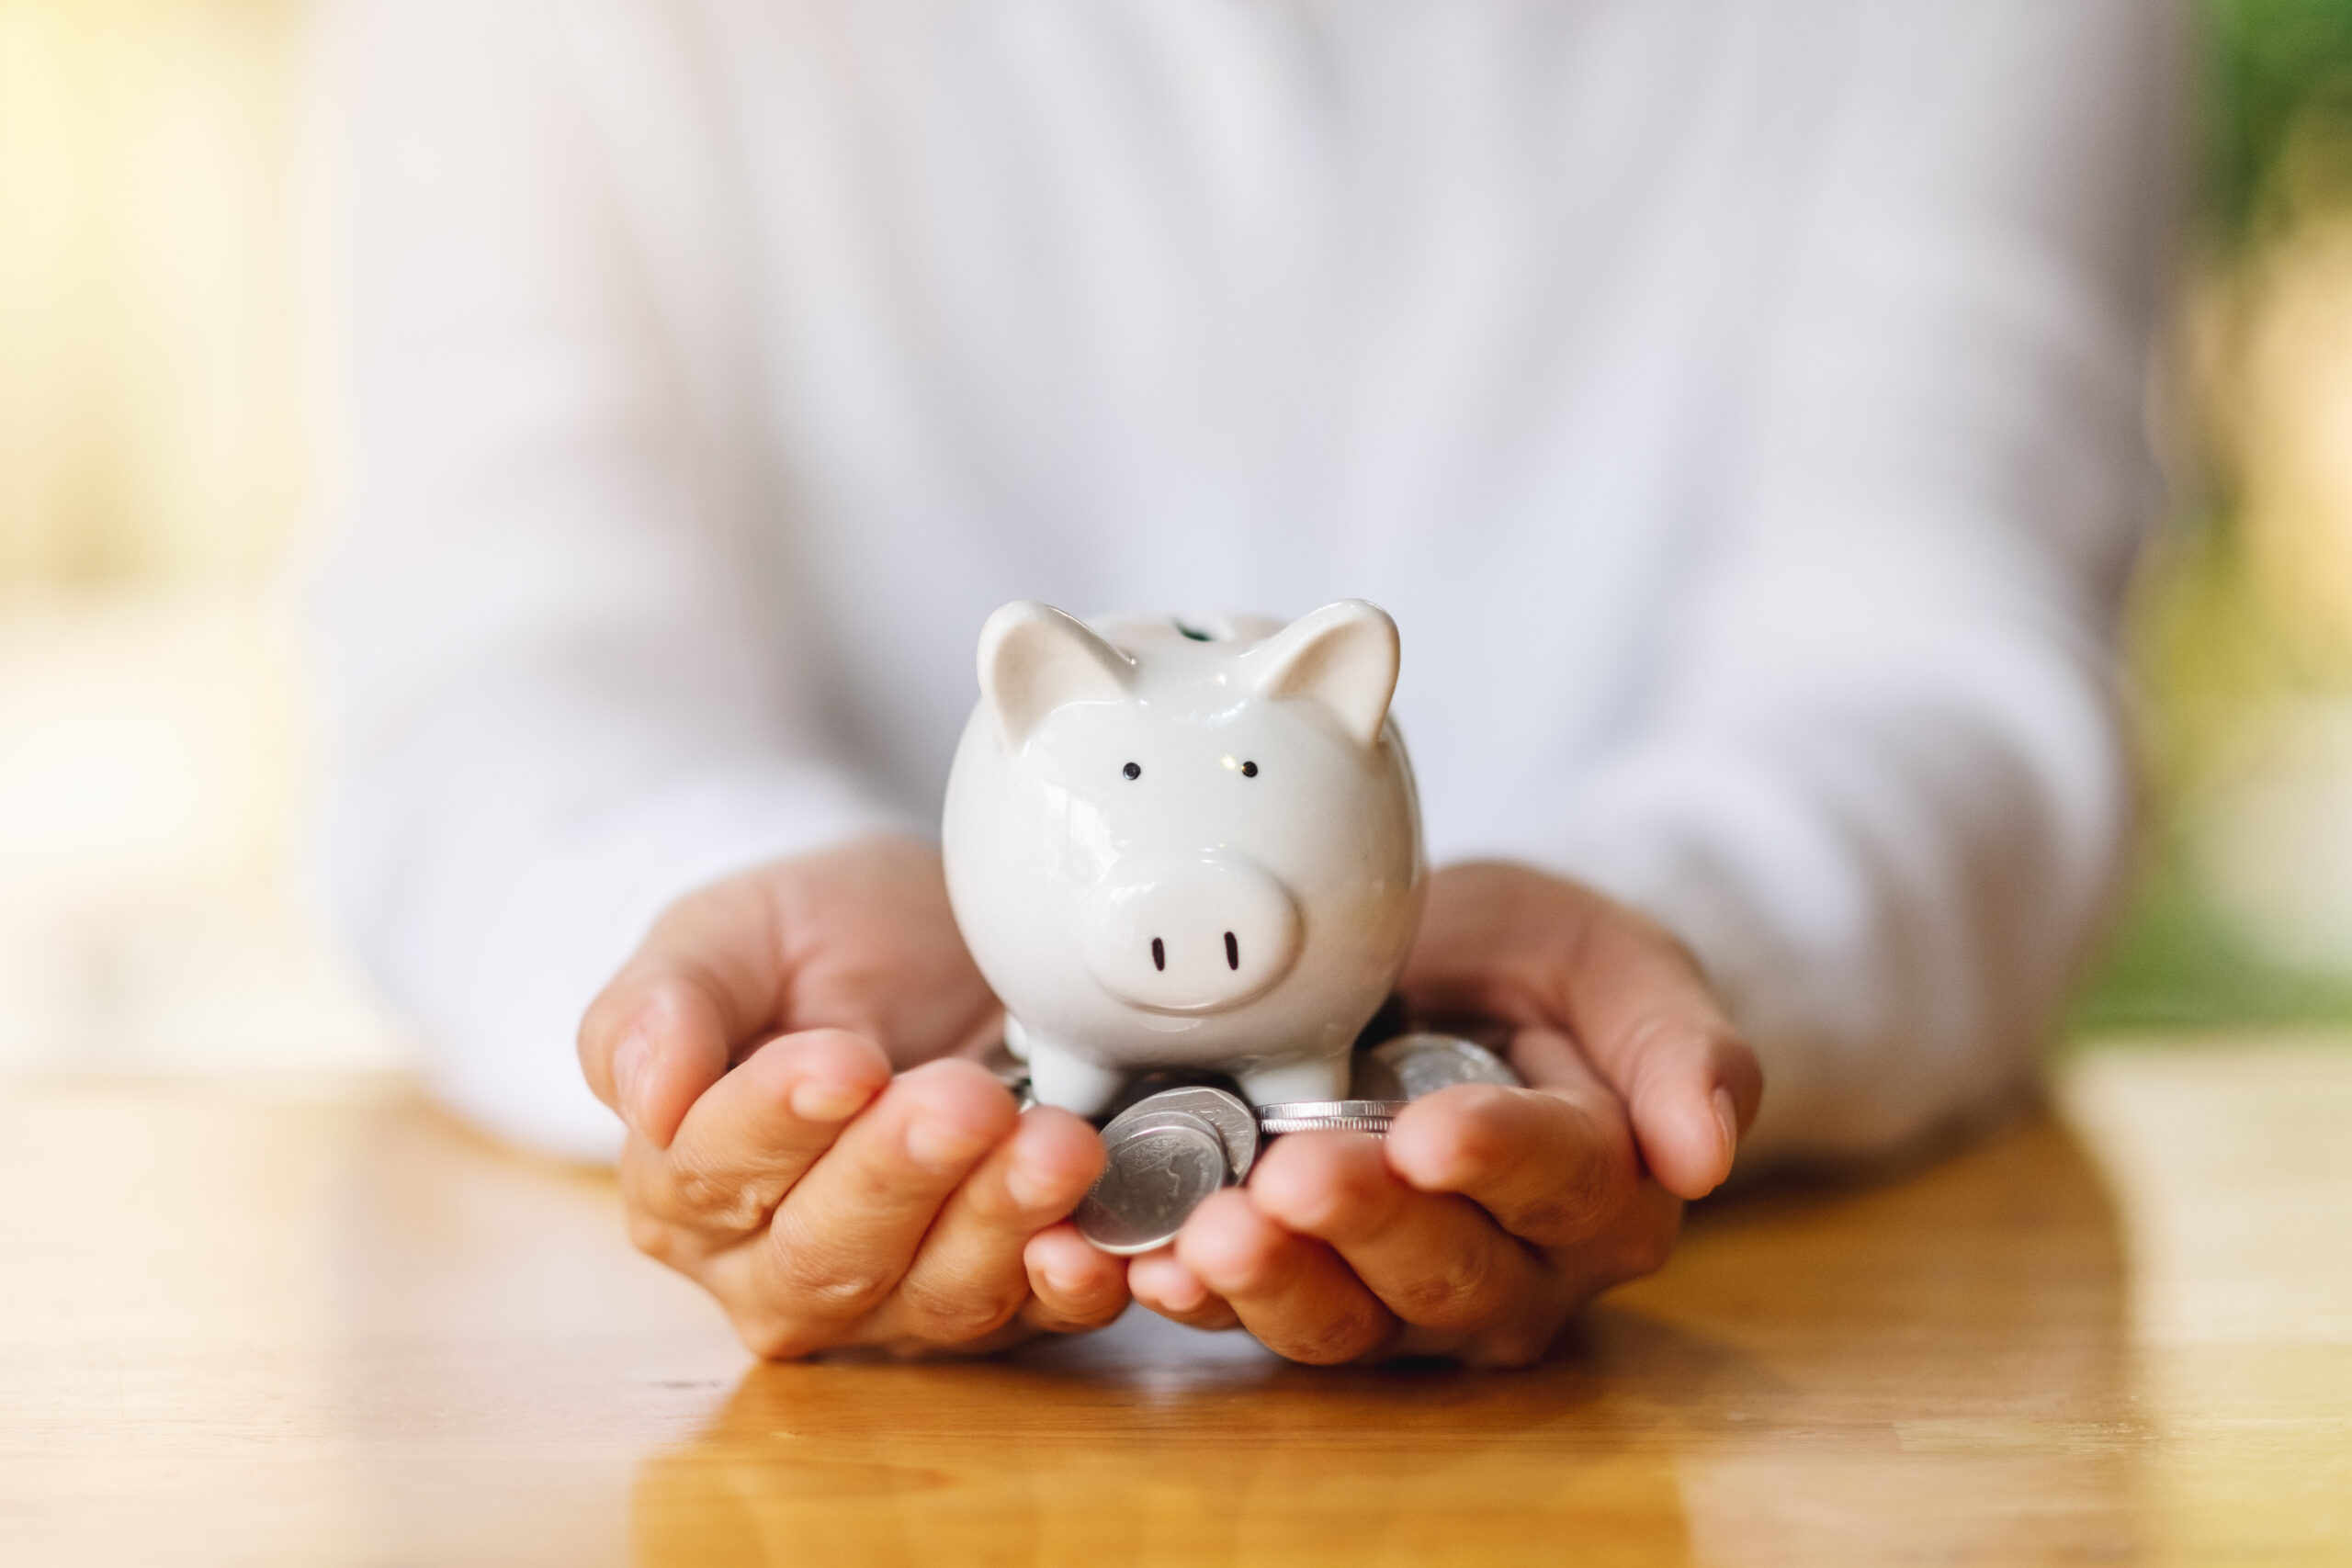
{"points": [[1737, 404]]}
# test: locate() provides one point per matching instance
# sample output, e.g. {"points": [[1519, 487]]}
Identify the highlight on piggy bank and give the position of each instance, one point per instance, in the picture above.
{"points": [[1186, 845]]}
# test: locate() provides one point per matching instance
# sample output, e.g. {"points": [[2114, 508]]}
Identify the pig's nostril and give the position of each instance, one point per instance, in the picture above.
{"points": [[1150, 932]]}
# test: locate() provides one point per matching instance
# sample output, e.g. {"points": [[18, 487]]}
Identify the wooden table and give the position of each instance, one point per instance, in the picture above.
{"points": [[325, 1327]]}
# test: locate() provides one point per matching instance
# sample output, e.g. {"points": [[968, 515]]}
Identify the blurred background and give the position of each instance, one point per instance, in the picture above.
{"points": [[156, 480]]}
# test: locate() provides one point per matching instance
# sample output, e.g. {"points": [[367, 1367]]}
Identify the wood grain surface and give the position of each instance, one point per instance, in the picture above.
{"points": [[321, 1324]]}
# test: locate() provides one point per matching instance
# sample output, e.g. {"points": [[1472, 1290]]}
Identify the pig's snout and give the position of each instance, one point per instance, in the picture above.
{"points": [[1189, 934]]}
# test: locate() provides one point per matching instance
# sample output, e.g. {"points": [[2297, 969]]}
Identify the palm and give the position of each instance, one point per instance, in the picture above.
{"points": [[868, 943], [1490, 1214], [796, 1146]]}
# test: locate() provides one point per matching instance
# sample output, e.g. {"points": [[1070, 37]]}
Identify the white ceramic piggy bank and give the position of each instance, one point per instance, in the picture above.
{"points": [[1185, 847]]}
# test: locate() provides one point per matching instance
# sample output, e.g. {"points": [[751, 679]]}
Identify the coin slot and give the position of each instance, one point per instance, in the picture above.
{"points": [[1160, 953], [1232, 951]]}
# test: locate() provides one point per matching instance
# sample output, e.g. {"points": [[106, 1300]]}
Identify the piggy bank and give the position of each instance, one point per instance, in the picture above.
{"points": [[1177, 846]]}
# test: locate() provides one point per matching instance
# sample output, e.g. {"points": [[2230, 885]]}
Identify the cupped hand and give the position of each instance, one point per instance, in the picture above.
{"points": [[774, 1155], [1488, 1215]]}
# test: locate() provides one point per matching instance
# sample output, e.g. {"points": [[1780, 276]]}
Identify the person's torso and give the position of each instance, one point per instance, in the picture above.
{"points": [[1251, 305]]}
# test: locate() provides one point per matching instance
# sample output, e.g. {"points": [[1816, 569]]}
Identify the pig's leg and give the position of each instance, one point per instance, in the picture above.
{"points": [[1071, 1083], [1298, 1079]]}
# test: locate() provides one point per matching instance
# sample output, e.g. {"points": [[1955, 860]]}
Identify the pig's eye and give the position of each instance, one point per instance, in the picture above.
{"points": [[1133, 769], [1248, 769]]}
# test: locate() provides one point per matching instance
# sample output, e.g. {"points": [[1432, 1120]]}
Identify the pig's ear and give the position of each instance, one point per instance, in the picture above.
{"points": [[1033, 659], [1343, 655]]}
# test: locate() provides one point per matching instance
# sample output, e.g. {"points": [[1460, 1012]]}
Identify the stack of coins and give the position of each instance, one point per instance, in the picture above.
{"points": [[1169, 1150], [1414, 1064], [1167, 1153], [1386, 1079], [1329, 1116]]}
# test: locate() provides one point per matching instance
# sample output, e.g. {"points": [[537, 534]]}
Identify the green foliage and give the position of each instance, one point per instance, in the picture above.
{"points": [[2174, 963], [2275, 71], [2276, 126]]}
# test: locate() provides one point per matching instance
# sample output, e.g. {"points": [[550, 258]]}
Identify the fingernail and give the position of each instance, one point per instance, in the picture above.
{"points": [[820, 1099], [941, 1145], [1032, 1190], [1061, 1281], [1728, 1115], [630, 1063]]}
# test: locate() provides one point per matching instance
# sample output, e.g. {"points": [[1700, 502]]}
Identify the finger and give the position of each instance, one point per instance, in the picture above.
{"points": [[707, 978], [1073, 1286], [1637, 1003], [1554, 1165], [1161, 1282], [842, 1237], [1436, 1260], [1502, 942], [1291, 1292], [969, 1277], [753, 1134], [1691, 1089]]}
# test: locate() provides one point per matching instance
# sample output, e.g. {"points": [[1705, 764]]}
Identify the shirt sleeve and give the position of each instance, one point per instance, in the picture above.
{"points": [[1884, 787], [562, 680]]}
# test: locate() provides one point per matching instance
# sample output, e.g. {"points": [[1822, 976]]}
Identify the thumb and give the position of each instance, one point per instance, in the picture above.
{"points": [[1636, 1002], [650, 1044], [1690, 1091], [666, 1029]]}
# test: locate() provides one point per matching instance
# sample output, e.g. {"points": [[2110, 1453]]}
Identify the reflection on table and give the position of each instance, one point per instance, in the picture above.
{"points": [[324, 1329]]}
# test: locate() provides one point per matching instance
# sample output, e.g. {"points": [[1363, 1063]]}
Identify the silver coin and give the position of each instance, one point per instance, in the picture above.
{"points": [[1323, 1109], [1423, 1064], [1275, 1126], [1162, 1168], [1235, 1124]]}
